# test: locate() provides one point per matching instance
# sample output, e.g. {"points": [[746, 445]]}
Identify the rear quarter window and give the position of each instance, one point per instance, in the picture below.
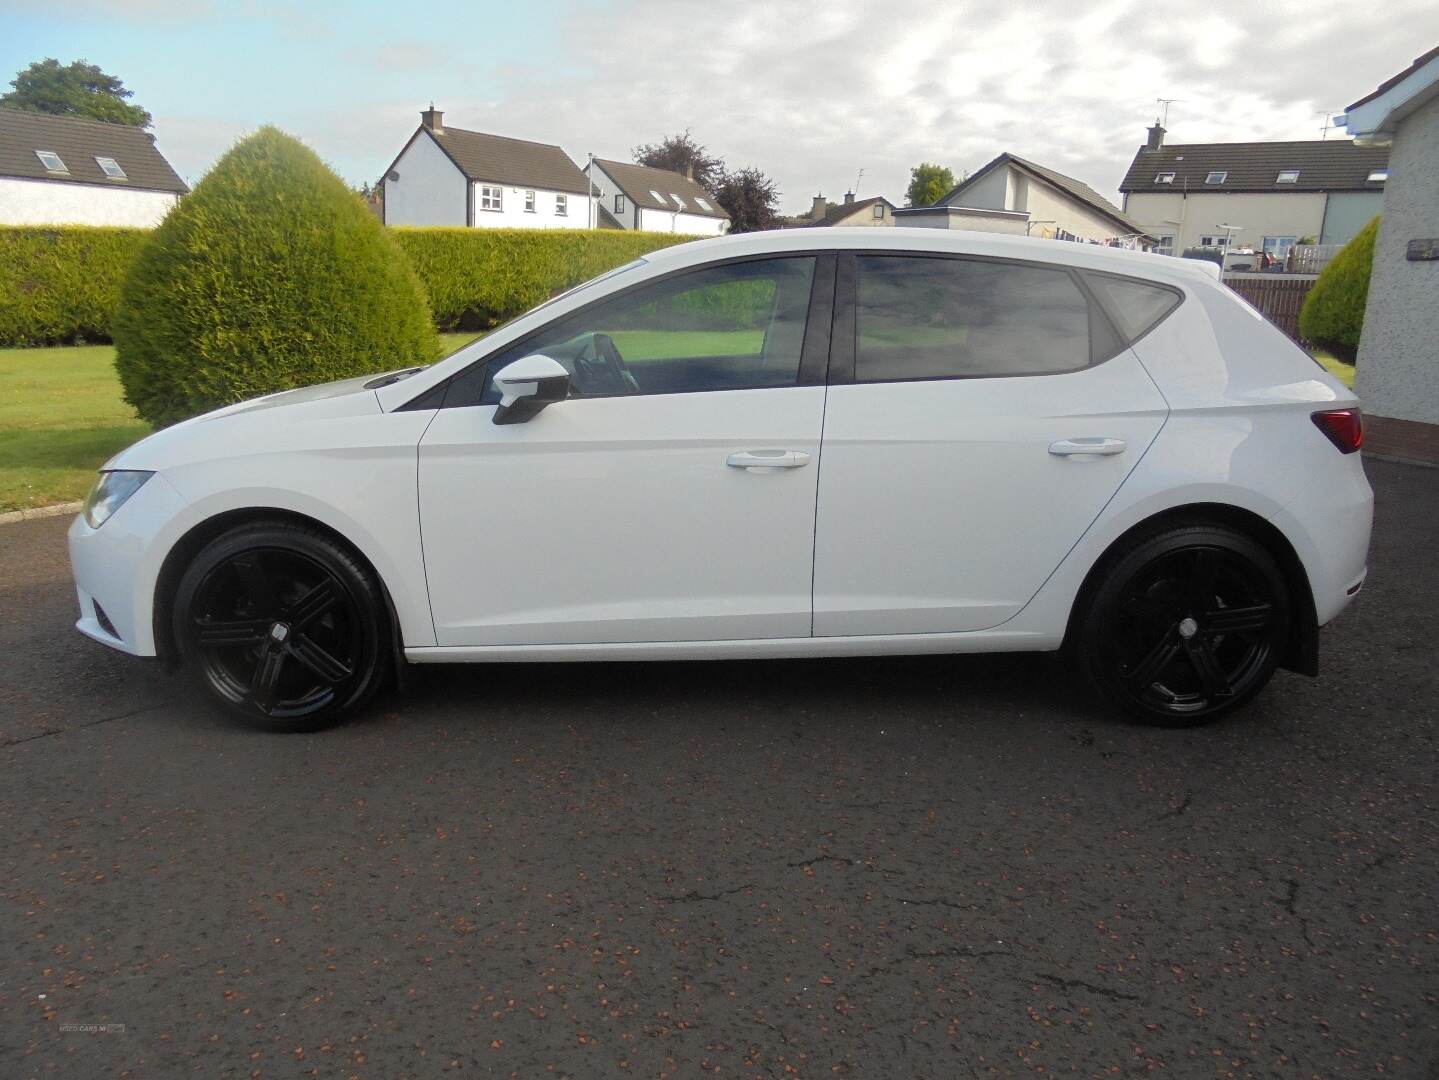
{"points": [[1136, 307]]}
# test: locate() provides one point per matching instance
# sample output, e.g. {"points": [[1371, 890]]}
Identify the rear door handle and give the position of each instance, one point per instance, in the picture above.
{"points": [[768, 459], [1097, 446]]}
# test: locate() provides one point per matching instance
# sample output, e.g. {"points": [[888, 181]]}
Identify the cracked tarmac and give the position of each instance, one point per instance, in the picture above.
{"points": [[876, 868]]}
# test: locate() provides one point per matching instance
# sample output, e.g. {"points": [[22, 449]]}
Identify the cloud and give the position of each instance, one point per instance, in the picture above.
{"points": [[812, 95]]}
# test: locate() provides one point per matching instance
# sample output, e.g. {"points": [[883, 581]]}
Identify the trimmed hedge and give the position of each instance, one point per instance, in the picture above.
{"points": [[270, 275], [477, 278], [60, 285], [1333, 312]]}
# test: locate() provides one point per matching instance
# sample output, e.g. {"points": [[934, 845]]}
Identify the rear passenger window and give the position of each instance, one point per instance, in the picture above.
{"points": [[940, 318], [1136, 305]]}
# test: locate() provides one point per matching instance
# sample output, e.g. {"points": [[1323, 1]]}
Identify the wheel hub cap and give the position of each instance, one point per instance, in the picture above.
{"points": [[279, 632], [1188, 628]]}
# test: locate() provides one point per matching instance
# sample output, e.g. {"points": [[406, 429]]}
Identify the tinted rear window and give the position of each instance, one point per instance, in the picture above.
{"points": [[1136, 306], [937, 318]]}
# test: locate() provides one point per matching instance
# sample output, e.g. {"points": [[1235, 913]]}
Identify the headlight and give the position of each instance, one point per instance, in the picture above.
{"points": [[110, 493]]}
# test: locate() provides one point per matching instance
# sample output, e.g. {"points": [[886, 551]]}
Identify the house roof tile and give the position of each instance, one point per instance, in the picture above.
{"points": [[639, 182], [500, 159], [1327, 165], [78, 142]]}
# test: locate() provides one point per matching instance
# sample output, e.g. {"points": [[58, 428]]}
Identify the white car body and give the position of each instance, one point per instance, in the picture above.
{"points": [[929, 516]]}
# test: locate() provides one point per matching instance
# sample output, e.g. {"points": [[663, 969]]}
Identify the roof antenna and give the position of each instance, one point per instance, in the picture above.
{"points": [[1166, 102], [1324, 131], [856, 183]]}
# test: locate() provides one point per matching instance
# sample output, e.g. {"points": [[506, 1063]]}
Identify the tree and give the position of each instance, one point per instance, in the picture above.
{"points": [[681, 154], [1333, 311], [76, 89], [928, 184], [750, 198], [269, 275]]}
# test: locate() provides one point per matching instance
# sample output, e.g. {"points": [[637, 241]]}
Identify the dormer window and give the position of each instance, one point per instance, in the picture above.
{"points": [[111, 168], [1287, 176], [52, 162], [1378, 176], [1164, 178], [1216, 177]]}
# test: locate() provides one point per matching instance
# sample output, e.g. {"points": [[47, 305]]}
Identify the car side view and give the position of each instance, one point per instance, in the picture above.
{"points": [[870, 441]]}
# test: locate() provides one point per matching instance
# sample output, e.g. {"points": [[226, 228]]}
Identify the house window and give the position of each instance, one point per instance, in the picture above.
{"points": [[704, 205], [51, 161], [1164, 178], [1165, 245], [111, 168], [529, 202], [1287, 176], [619, 204], [491, 197], [1216, 177], [1218, 240], [1278, 246], [879, 210], [562, 206], [1378, 176]]}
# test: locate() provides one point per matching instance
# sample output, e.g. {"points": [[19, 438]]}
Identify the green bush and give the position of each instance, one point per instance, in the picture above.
{"points": [[1333, 312], [60, 285], [271, 274], [476, 278]]}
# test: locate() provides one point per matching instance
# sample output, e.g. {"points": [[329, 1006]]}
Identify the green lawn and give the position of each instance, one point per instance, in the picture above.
{"points": [[62, 415], [1336, 367]]}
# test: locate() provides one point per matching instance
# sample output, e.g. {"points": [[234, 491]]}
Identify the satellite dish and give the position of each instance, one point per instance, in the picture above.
{"points": [[394, 175]]}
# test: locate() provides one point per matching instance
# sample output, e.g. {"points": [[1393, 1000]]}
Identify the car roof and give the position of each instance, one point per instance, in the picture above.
{"points": [[939, 241]]}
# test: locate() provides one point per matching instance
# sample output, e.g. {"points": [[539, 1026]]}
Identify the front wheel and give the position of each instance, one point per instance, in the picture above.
{"points": [[282, 626], [1185, 625]]}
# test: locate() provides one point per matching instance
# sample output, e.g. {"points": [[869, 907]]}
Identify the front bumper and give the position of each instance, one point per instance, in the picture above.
{"points": [[116, 567]]}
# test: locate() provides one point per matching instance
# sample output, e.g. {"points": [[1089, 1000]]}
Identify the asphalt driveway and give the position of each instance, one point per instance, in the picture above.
{"points": [[874, 868]]}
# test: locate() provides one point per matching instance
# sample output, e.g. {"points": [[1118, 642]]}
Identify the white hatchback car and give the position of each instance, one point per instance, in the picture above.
{"points": [[801, 443]]}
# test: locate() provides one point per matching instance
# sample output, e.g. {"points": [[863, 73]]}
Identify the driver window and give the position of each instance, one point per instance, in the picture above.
{"points": [[732, 327]]}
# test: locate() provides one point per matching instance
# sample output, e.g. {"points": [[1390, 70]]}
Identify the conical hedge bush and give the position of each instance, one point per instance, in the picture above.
{"points": [[1333, 312], [271, 274]]}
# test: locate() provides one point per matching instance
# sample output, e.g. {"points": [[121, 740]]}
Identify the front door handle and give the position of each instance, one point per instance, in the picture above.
{"points": [[1097, 446], [768, 459]]}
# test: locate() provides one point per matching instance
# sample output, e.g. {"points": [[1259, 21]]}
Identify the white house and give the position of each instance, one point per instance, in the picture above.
{"points": [[60, 170], [852, 213], [1398, 376], [654, 200], [1264, 195], [449, 176], [1013, 194]]}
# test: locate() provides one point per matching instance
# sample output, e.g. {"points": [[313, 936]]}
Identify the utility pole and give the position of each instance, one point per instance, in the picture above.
{"points": [[590, 175]]}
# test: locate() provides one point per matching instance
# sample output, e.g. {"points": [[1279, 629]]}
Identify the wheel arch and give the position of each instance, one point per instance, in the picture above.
{"points": [[192, 542], [1301, 652]]}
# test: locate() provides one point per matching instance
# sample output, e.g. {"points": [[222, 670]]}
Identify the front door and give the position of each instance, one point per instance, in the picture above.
{"points": [[670, 498], [970, 441]]}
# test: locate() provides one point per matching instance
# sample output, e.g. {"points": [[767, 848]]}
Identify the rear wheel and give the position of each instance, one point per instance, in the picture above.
{"points": [[1185, 625], [282, 626]]}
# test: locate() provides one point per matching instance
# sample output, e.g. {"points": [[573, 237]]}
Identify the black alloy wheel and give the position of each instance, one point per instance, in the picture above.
{"points": [[1186, 625], [282, 626]]}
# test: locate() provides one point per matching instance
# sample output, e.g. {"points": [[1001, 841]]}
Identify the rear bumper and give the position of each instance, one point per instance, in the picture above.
{"points": [[1329, 524]]}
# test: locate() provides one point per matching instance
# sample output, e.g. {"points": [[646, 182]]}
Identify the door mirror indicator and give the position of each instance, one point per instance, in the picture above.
{"points": [[527, 386]]}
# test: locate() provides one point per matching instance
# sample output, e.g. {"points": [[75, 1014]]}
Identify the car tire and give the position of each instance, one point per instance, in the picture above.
{"points": [[282, 626], [1183, 625]]}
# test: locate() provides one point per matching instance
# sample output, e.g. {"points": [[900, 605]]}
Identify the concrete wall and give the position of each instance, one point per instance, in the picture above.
{"points": [[1347, 213], [430, 190], [1262, 214], [59, 202], [990, 191], [955, 218], [1398, 373], [689, 224]]}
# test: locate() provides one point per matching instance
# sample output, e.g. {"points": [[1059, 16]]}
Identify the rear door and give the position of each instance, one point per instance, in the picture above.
{"points": [[980, 415]]}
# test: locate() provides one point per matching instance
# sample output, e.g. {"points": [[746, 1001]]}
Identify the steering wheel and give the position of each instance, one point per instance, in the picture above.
{"points": [[600, 369]]}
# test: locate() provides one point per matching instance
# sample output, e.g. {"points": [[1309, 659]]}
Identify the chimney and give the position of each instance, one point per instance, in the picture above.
{"points": [[432, 119], [1156, 137], [689, 170], [848, 198], [818, 208]]}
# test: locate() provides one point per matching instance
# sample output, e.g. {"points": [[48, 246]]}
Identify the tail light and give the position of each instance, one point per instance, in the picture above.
{"points": [[1345, 428]]}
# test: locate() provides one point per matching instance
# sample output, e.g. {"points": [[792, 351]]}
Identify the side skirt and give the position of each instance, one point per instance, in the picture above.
{"points": [[978, 641]]}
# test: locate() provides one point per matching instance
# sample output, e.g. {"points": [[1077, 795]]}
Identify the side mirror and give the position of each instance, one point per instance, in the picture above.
{"points": [[527, 386]]}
